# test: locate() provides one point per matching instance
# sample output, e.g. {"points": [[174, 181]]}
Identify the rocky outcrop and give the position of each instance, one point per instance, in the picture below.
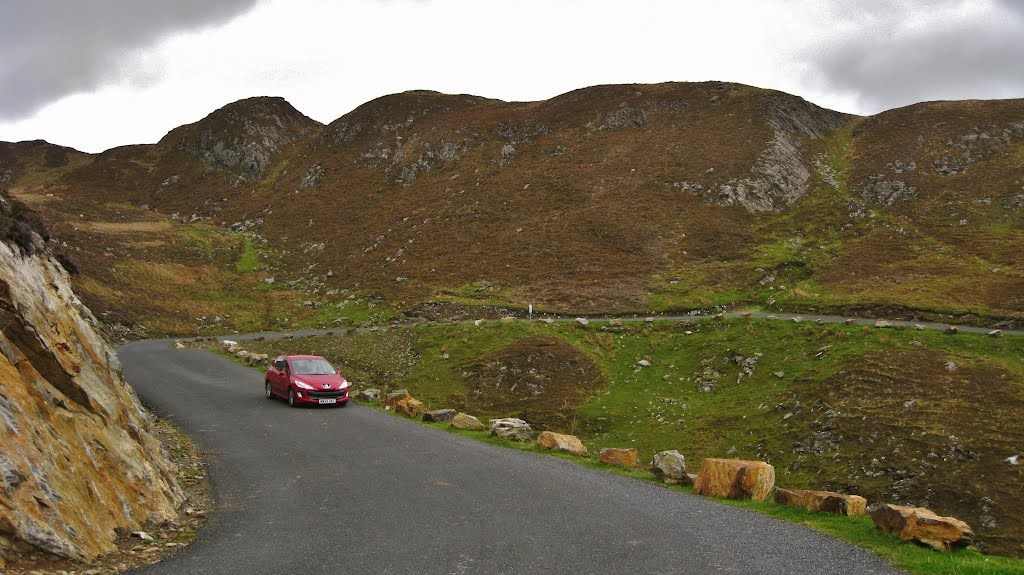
{"points": [[243, 136], [923, 525], [511, 428], [621, 457], [735, 479], [670, 467], [821, 501], [559, 442], [79, 459]]}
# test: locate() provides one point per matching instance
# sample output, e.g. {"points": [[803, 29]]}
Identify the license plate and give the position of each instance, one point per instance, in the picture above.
{"points": [[323, 401]]}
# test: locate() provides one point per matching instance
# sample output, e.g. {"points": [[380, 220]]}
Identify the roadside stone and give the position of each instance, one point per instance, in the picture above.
{"points": [[883, 323], [923, 525], [735, 479], [670, 467], [394, 397], [464, 421], [511, 428], [371, 395], [918, 327], [409, 406], [644, 363], [478, 322], [821, 501], [996, 333], [179, 345], [745, 315], [615, 322], [439, 415], [508, 319], [582, 322], [951, 330], [1013, 460], [258, 359], [559, 442], [623, 457]]}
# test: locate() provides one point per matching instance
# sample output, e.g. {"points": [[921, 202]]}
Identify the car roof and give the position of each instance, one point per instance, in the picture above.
{"points": [[301, 357]]}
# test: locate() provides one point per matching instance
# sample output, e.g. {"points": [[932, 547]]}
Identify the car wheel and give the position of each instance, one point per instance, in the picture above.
{"points": [[270, 391], [291, 397]]}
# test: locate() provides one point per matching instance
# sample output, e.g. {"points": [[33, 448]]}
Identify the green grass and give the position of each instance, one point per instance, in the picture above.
{"points": [[658, 407], [249, 259]]}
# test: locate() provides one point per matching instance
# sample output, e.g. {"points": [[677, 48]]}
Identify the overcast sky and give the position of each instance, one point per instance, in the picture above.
{"points": [[94, 74]]}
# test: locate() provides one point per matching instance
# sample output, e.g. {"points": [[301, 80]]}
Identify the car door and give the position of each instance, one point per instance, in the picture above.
{"points": [[278, 378]]}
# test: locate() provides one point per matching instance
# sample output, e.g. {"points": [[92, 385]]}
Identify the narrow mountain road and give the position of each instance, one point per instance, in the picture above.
{"points": [[355, 490]]}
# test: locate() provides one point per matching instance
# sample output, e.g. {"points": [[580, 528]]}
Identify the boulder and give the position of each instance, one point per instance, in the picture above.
{"points": [[951, 330], [623, 457], [883, 323], [409, 406], [559, 442], [615, 322], [464, 421], [582, 322], [228, 344], [371, 395], [258, 359], [508, 319], [735, 479], [438, 415], [996, 333], [511, 428], [923, 525], [821, 501], [179, 345], [670, 467], [394, 397]]}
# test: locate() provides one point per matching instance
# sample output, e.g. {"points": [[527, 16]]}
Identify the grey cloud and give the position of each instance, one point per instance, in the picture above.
{"points": [[885, 62], [53, 48]]}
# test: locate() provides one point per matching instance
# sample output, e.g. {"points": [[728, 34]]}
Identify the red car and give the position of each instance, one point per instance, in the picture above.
{"points": [[306, 379]]}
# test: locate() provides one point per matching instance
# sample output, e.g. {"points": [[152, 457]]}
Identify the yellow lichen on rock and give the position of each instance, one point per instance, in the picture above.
{"points": [[78, 457], [735, 479]]}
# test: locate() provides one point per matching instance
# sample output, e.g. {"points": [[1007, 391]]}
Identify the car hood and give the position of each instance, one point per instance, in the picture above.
{"points": [[331, 381]]}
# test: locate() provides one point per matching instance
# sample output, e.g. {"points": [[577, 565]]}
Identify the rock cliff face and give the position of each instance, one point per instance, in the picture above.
{"points": [[77, 456], [243, 136]]}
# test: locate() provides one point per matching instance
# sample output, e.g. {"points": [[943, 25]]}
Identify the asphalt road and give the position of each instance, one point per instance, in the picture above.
{"points": [[355, 490]]}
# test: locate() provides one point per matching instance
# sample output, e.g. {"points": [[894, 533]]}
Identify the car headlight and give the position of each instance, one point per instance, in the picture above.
{"points": [[344, 384], [303, 385]]}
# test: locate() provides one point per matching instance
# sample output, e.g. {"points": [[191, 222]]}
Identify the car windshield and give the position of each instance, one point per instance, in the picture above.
{"points": [[311, 367]]}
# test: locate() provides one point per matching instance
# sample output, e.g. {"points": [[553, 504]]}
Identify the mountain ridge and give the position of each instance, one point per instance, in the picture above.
{"points": [[611, 198]]}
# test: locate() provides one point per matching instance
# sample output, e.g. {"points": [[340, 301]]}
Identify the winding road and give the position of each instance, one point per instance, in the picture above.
{"points": [[356, 490]]}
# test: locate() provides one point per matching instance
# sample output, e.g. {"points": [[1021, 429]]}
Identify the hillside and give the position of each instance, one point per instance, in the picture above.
{"points": [[606, 199]]}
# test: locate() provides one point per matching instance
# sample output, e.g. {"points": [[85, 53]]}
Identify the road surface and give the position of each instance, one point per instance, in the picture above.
{"points": [[355, 490]]}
